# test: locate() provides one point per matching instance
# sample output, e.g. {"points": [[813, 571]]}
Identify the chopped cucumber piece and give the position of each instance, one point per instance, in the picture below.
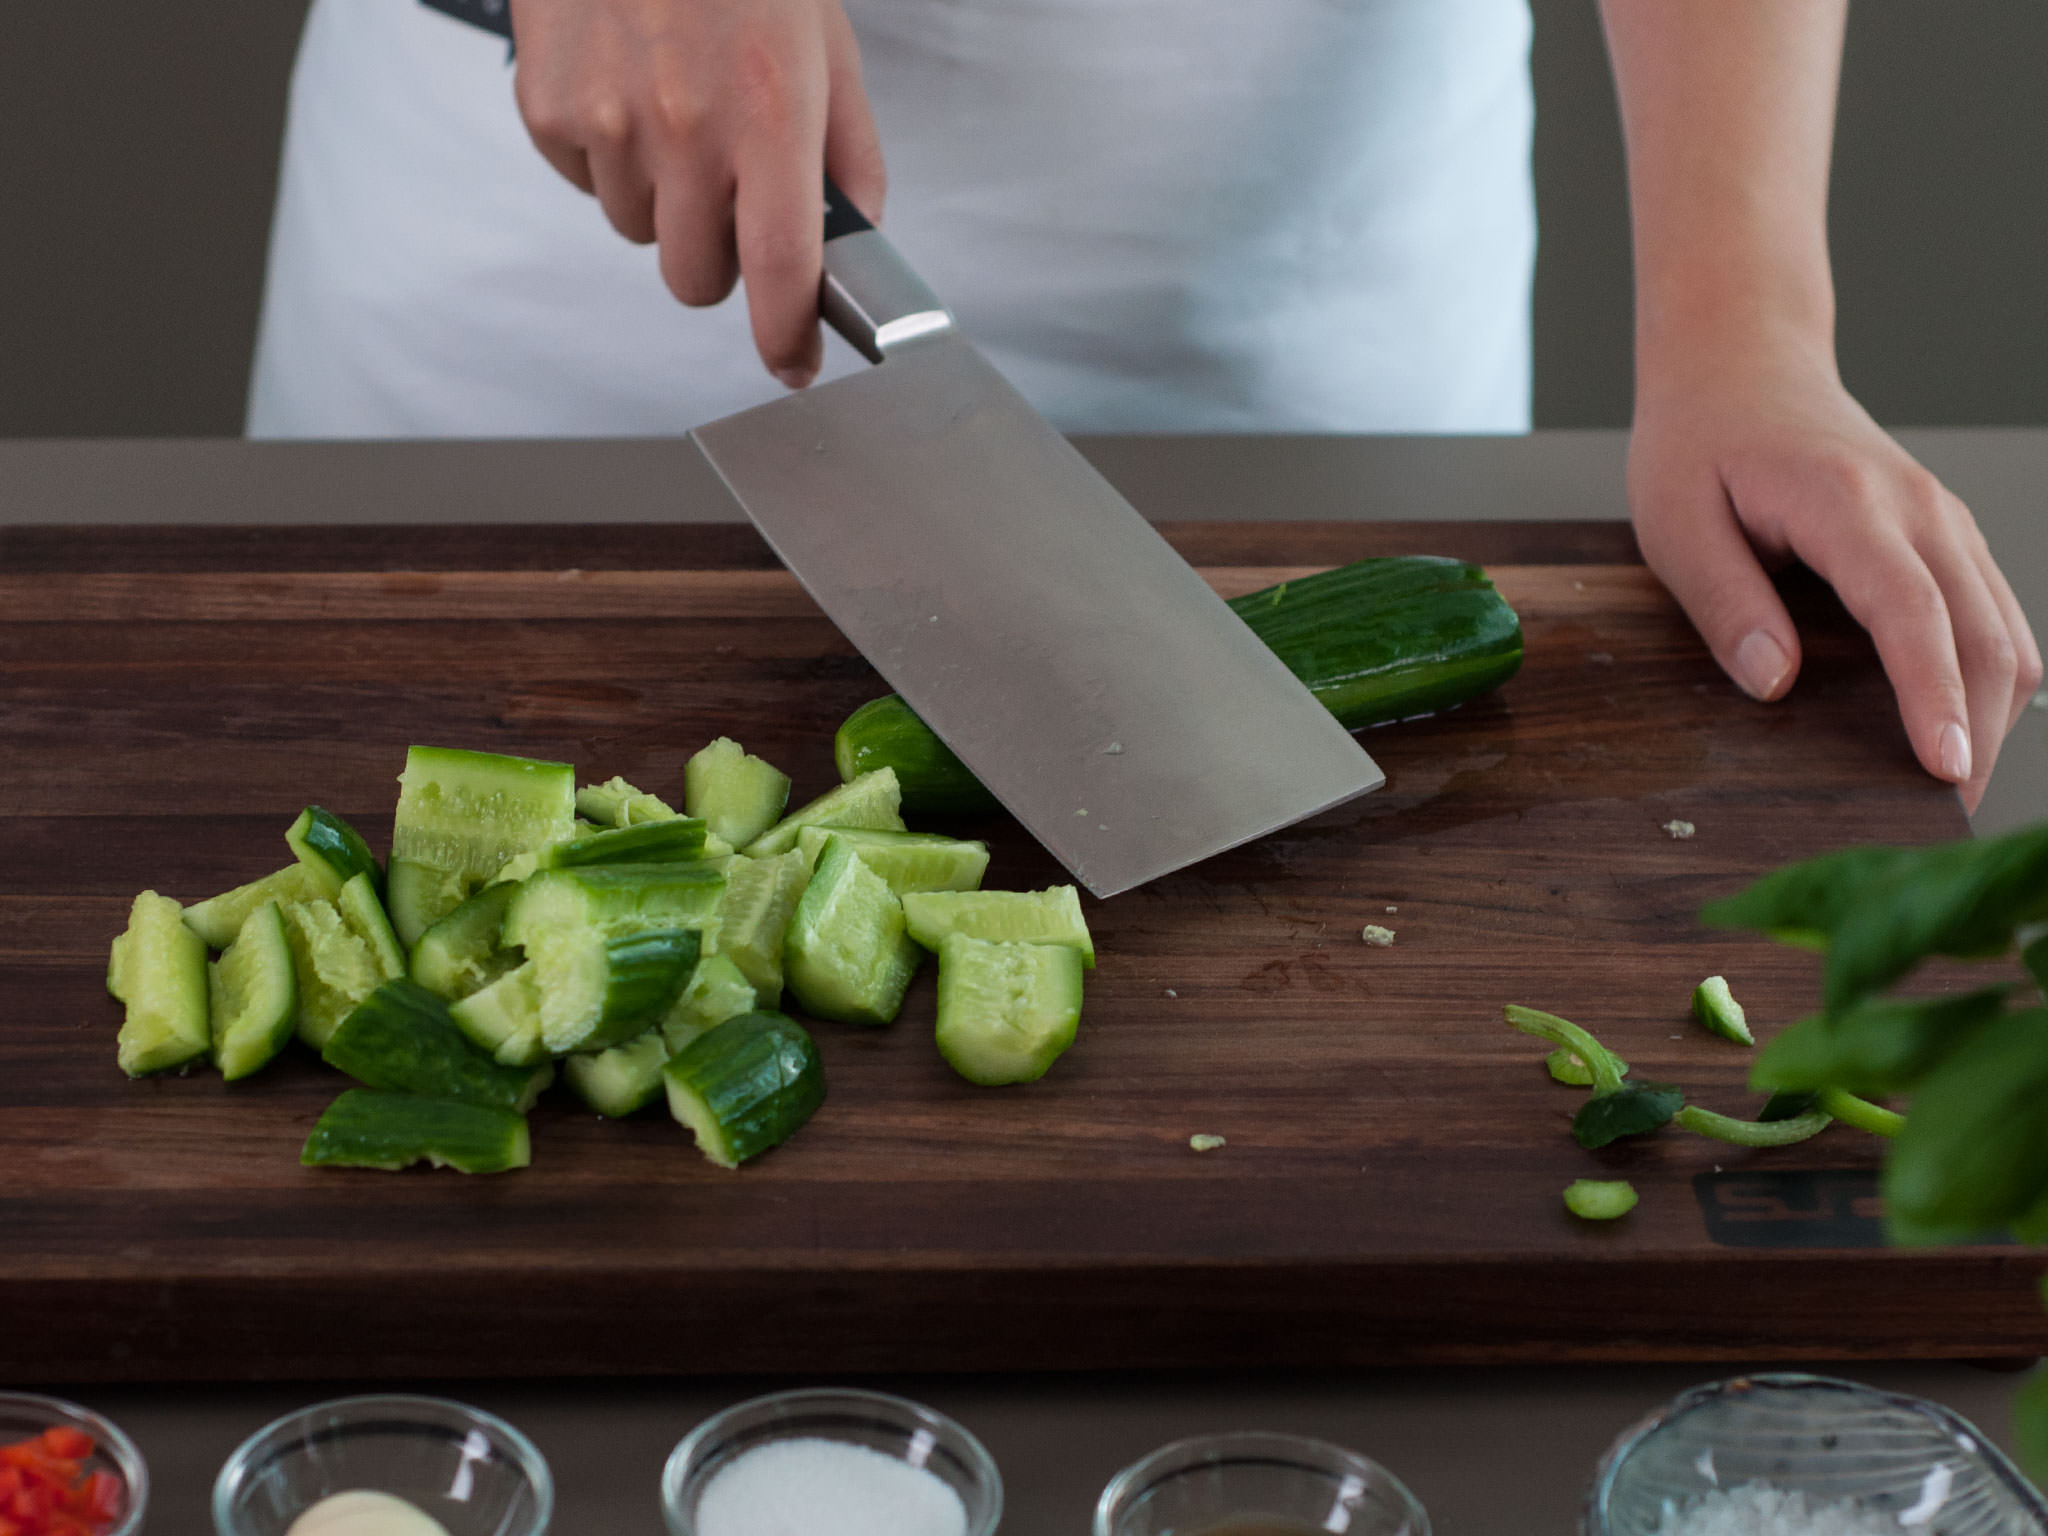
{"points": [[873, 801], [1599, 1199], [615, 803], [1715, 1006], [503, 1019], [716, 991], [675, 841], [597, 991], [219, 918], [754, 913], [419, 895], [254, 994], [364, 914], [622, 1080], [463, 814], [335, 964], [909, 861], [1006, 1010], [402, 1039], [745, 1086], [158, 968], [740, 795], [461, 953], [332, 851], [1051, 916], [365, 1128], [886, 733], [846, 954]]}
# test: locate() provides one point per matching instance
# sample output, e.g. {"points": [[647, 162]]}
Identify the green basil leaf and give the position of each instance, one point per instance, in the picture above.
{"points": [[1632, 1110], [1973, 1157], [1881, 1046], [1883, 910]]}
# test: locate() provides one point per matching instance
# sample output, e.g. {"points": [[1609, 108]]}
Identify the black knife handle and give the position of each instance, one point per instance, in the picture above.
{"points": [[841, 217]]}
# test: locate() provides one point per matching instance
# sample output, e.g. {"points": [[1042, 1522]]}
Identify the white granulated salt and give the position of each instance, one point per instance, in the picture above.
{"points": [[817, 1487], [1762, 1509]]}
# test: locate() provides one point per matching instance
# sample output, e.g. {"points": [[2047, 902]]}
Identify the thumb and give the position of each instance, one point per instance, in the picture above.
{"points": [[1690, 538]]}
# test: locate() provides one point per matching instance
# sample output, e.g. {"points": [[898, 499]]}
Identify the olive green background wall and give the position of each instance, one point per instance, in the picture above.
{"points": [[138, 149]]}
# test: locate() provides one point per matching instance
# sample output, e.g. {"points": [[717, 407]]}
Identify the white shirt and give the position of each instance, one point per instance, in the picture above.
{"points": [[1152, 215]]}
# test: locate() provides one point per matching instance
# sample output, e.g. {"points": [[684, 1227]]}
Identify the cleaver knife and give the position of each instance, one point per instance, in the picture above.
{"points": [[1037, 623]]}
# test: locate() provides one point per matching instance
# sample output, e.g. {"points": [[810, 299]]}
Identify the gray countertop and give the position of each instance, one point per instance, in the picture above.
{"points": [[1487, 1450]]}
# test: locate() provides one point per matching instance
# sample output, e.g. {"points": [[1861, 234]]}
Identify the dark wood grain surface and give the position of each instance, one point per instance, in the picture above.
{"points": [[170, 698]]}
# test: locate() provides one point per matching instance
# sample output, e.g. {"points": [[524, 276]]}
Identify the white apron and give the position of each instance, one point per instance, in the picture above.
{"points": [[1152, 215]]}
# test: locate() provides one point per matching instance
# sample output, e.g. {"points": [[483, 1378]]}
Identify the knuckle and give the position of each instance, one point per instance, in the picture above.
{"points": [[607, 123], [680, 115]]}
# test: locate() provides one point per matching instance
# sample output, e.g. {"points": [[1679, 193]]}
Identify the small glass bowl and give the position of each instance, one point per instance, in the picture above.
{"points": [[893, 1425], [24, 1414], [1196, 1485], [471, 1471], [1833, 1440]]}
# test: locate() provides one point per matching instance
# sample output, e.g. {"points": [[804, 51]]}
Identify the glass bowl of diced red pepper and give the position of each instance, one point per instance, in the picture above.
{"points": [[65, 1471]]}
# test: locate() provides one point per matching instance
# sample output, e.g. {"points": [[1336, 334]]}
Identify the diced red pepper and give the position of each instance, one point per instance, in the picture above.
{"points": [[66, 1443], [46, 1491]]}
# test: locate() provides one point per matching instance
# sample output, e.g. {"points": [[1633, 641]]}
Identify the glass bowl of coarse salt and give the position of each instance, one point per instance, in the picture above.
{"points": [[1798, 1455], [833, 1461]]}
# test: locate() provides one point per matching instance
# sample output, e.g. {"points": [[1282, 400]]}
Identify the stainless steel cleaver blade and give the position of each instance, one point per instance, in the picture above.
{"points": [[1096, 685]]}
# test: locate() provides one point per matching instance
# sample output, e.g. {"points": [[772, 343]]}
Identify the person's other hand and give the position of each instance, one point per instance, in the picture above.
{"points": [[1734, 469], [709, 125]]}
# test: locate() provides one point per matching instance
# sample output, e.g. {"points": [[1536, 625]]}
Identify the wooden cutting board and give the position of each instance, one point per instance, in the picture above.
{"points": [[1389, 1190]]}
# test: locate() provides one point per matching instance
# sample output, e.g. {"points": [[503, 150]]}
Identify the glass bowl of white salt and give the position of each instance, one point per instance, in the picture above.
{"points": [[1798, 1455], [834, 1462]]}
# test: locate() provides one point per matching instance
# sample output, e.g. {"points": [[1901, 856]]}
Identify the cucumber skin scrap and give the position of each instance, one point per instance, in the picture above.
{"points": [[1050, 916], [1007, 1011], [874, 800], [847, 956], [253, 995], [366, 1128], [401, 1039], [745, 1086], [157, 967]]}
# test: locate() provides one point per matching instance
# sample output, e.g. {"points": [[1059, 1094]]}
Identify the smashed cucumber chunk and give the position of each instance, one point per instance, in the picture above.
{"points": [[253, 994], [622, 1079], [157, 967], [1007, 1011], [615, 803], [847, 956], [753, 915], [461, 816], [332, 851], [401, 1038], [745, 1086], [739, 795]]}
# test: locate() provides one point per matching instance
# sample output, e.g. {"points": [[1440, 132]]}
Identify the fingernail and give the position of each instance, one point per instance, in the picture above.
{"points": [[1955, 753], [793, 378], [1761, 664]]}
